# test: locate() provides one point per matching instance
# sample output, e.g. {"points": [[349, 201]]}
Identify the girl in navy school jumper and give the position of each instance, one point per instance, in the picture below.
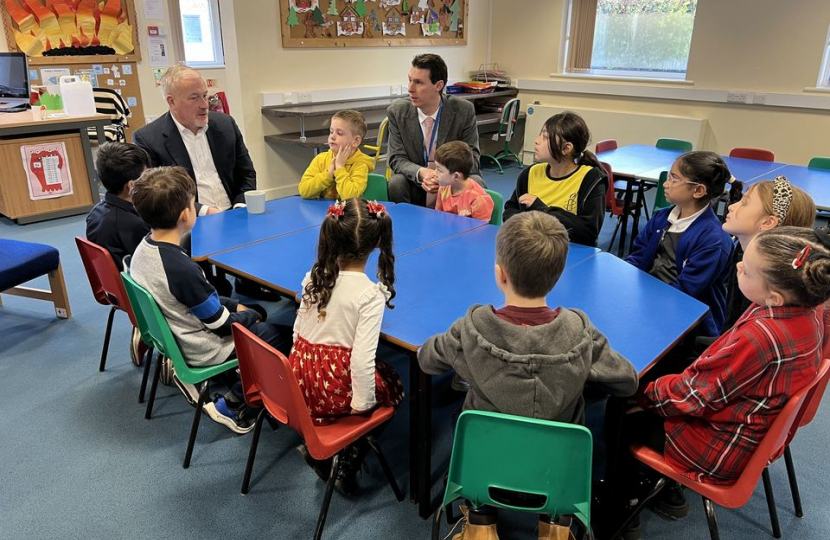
{"points": [[684, 245]]}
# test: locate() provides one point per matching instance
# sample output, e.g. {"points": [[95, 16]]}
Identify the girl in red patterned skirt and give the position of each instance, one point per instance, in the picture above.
{"points": [[338, 324]]}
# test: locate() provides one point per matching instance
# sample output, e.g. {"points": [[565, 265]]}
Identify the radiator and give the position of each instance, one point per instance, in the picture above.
{"points": [[625, 127]]}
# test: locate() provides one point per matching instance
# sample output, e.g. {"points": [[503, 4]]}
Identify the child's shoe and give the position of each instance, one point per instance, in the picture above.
{"points": [[458, 384], [322, 467], [350, 462], [670, 503], [191, 393], [236, 420], [475, 526], [555, 531]]}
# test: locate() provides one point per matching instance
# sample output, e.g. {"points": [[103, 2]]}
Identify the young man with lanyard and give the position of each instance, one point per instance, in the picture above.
{"points": [[422, 123]]}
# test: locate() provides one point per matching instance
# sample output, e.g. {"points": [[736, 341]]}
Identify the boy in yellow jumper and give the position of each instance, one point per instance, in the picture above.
{"points": [[343, 171]]}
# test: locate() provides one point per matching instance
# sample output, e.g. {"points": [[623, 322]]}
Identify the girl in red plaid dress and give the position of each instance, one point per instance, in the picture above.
{"points": [[712, 417], [338, 324]]}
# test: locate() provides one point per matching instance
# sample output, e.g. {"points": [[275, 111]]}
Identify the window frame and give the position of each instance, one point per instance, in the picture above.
{"points": [[824, 70], [567, 69], [216, 29]]}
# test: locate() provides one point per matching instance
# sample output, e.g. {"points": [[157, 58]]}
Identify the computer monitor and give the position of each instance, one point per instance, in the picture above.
{"points": [[14, 75]]}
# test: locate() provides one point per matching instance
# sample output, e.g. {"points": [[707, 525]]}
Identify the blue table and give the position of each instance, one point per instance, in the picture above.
{"points": [[816, 182], [750, 170], [640, 161], [227, 230]]}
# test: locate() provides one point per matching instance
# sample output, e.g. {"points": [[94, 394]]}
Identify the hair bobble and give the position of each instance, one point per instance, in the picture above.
{"points": [[336, 210], [731, 180], [801, 258], [376, 209]]}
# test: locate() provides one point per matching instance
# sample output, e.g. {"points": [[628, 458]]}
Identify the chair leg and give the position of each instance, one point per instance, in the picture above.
{"points": [[773, 513], [436, 523], [159, 359], [373, 443], [195, 428], [495, 160], [148, 359], [249, 467], [709, 507], [658, 487], [324, 510], [614, 236], [788, 461], [107, 333]]}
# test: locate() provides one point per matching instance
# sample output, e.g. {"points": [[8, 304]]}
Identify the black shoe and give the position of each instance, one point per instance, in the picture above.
{"points": [[350, 462], [670, 503], [632, 530], [248, 288], [322, 467]]}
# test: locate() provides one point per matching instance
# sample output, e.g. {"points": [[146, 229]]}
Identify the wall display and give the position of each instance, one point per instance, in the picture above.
{"points": [[372, 23], [70, 31], [47, 170]]}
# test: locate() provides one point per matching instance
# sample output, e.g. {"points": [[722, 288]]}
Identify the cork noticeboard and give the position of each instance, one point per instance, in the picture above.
{"points": [[373, 23]]}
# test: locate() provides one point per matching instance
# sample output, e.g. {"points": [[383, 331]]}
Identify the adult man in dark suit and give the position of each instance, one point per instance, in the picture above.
{"points": [[420, 124], [209, 145]]}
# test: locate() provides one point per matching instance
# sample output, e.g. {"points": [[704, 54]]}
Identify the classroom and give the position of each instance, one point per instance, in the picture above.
{"points": [[650, 364]]}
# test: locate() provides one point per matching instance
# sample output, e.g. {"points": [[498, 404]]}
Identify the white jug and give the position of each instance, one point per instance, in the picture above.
{"points": [[77, 96]]}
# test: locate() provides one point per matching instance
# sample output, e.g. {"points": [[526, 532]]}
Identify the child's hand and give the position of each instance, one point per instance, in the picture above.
{"points": [[331, 165], [527, 199], [343, 156]]}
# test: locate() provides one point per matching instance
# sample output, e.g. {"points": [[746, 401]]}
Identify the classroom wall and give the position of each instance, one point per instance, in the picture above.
{"points": [[746, 45]]}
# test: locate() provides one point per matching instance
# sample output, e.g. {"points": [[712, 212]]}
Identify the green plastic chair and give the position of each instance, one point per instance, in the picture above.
{"points": [[660, 195], [507, 124], [674, 144], [498, 207], [151, 322], [377, 189], [494, 454], [820, 162]]}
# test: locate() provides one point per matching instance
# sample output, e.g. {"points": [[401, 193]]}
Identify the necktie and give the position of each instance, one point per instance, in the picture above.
{"points": [[429, 125]]}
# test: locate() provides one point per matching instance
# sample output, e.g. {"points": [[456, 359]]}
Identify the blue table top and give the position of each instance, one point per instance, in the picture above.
{"points": [[639, 160], [234, 228], [749, 170], [641, 316], [816, 182]]}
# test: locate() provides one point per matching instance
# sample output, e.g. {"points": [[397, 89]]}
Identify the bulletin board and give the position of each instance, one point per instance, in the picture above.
{"points": [[119, 76], [373, 23]]}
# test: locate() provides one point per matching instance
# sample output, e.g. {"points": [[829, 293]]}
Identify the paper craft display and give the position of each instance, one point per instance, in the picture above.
{"points": [[431, 26], [47, 171], [416, 17], [349, 24], [393, 24], [301, 6], [41, 27], [385, 3]]}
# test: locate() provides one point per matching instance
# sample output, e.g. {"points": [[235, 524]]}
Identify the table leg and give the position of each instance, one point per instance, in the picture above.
{"points": [[302, 129], [425, 445], [624, 218], [614, 503], [90, 164], [414, 417], [635, 228]]}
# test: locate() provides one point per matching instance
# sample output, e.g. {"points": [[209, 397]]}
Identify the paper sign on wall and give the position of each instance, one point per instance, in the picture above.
{"points": [[47, 170], [158, 52]]}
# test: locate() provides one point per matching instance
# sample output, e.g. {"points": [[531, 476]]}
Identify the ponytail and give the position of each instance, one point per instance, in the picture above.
{"points": [[386, 261], [736, 190]]}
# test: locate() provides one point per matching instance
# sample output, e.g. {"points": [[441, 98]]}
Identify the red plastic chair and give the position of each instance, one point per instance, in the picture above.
{"points": [[613, 205], [606, 146], [267, 379], [758, 154], [737, 494]]}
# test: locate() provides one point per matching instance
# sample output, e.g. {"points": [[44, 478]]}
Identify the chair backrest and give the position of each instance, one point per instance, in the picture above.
{"points": [[660, 194], [378, 148], [668, 143], [605, 146], [496, 455], [267, 374], [103, 276], [377, 188], [610, 194], [820, 162], [509, 117], [758, 154], [496, 218], [773, 442]]}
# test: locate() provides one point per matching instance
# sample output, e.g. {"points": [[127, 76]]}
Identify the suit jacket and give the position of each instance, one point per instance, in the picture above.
{"points": [[406, 140], [162, 140]]}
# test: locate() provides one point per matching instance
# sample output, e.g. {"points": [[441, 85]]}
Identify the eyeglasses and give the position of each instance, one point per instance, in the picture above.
{"points": [[674, 180]]}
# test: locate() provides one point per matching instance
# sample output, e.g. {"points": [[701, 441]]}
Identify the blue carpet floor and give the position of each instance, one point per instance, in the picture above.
{"points": [[78, 460]]}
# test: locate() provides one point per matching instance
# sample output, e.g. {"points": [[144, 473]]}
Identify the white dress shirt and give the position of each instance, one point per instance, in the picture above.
{"points": [[678, 224], [208, 184]]}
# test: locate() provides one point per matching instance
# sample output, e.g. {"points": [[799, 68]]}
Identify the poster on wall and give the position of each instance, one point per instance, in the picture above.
{"points": [[159, 53], [47, 170]]}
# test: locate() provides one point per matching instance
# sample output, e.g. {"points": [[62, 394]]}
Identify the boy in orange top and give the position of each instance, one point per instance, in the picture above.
{"points": [[342, 172], [457, 193]]}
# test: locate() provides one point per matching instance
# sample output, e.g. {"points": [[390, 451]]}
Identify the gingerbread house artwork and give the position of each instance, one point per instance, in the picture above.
{"points": [[431, 26], [393, 23], [350, 23]]}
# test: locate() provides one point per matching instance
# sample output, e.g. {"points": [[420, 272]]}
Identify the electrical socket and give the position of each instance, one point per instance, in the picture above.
{"points": [[759, 99], [304, 97], [737, 97], [394, 90]]}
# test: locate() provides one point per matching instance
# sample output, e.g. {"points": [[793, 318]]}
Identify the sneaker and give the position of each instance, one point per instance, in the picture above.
{"points": [[166, 375], [476, 526], [350, 462], [670, 503], [234, 420], [458, 384], [322, 467], [136, 349], [191, 393], [632, 530]]}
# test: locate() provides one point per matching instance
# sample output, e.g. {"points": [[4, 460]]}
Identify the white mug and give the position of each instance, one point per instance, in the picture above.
{"points": [[255, 200]]}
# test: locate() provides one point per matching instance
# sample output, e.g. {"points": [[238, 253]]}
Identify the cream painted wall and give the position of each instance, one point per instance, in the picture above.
{"points": [[747, 45], [265, 66]]}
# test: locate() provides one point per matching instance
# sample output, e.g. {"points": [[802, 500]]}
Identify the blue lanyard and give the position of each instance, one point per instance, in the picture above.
{"points": [[434, 134]]}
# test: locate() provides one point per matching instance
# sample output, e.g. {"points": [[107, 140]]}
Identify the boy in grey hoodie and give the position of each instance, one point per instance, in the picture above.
{"points": [[527, 359]]}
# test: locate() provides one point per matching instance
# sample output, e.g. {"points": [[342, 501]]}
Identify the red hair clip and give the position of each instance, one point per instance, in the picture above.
{"points": [[335, 210], [376, 209], [798, 262]]}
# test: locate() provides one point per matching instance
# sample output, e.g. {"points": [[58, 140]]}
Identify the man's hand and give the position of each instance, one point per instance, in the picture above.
{"points": [[212, 210], [429, 180], [527, 199]]}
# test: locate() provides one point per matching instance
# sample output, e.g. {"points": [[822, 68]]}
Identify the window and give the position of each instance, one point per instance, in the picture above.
{"points": [[824, 73], [201, 33], [630, 38]]}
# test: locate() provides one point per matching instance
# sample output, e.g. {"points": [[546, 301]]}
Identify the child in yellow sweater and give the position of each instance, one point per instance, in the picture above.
{"points": [[342, 172]]}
